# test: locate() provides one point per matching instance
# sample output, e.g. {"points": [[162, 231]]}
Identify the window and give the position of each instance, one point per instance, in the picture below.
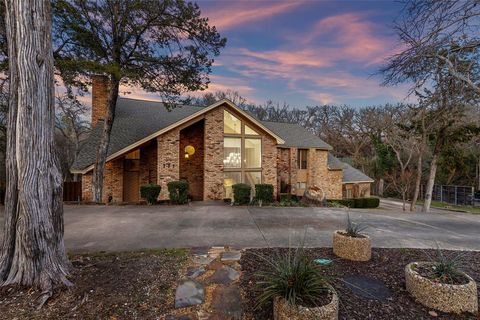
{"points": [[229, 179], [231, 124], [250, 131], [253, 153], [252, 178], [302, 155], [232, 152]]}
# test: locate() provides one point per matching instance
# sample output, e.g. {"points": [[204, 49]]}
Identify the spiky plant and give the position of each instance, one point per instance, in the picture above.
{"points": [[446, 267], [354, 229], [292, 276]]}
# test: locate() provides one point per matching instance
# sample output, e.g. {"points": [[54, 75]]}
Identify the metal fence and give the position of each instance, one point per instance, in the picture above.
{"points": [[457, 195]]}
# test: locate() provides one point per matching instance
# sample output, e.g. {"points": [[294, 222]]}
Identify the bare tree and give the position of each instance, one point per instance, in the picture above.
{"points": [[33, 251]]}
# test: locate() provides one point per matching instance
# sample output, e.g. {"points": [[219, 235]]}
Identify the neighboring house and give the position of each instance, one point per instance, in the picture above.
{"points": [[212, 147]]}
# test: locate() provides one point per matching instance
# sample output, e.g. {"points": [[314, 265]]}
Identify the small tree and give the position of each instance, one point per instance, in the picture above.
{"points": [[165, 47]]}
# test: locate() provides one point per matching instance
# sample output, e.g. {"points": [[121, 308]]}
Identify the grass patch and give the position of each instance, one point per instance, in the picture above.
{"points": [[444, 205]]}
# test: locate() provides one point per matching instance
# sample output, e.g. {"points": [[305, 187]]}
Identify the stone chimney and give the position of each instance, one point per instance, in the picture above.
{"points": [[99, 98]]}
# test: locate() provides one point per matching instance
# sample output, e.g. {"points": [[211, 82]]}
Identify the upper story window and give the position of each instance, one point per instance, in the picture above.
{"points": [[231, 124], [302, 155], [250, 131]]}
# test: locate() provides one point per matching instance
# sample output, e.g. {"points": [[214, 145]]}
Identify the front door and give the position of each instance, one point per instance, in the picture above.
{"points": [[131, 180]]}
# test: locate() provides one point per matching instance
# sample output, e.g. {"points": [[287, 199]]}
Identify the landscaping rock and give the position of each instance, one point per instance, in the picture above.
{"points": [[313, 195], [224, 275], [189, 293], [202, 259], [227, 301], [192, 273], [368, 288], [178, 317], [215, 265], [231, 256]]}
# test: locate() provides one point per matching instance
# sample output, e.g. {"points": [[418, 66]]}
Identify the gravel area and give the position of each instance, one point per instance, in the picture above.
{"points": [[386, 266]]}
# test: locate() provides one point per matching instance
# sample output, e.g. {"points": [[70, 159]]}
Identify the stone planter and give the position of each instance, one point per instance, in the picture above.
{"points": [[355, 249], [439, 296], [284, 311]]}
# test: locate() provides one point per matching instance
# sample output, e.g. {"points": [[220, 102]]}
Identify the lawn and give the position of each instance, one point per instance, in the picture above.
{"points": [[126, 285], [444, 205], [386, 266]]}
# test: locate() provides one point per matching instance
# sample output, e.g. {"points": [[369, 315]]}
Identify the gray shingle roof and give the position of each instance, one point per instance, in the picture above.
{"points": [[296, 136], [350, 174]]}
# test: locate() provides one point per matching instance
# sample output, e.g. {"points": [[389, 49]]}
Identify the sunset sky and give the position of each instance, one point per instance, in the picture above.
{"points": [[305, 52]]}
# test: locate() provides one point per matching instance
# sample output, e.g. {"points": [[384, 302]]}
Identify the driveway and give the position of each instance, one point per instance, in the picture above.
{"points": [[117, 228]]}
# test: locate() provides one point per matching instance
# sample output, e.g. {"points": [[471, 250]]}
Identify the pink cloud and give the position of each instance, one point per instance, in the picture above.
{"points": [[233, 14]]}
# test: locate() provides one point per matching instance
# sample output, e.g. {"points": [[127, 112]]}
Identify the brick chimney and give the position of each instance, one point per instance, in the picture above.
{"points": [[99, 98]]}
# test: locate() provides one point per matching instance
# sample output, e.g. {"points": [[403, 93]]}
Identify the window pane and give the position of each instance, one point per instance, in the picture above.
{"points": [[249, 130], [253, 153], [302, 158], [229, 179], [231, 124], [232, 152], [252, 178]]}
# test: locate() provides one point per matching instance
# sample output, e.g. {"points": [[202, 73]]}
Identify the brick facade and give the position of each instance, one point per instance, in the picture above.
{"points": [[191, 168], [99, 98], [112, 183], [269, 162], [213, 177], [168, 147]]}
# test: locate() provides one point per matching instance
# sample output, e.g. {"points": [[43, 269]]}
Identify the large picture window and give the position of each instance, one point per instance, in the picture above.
{"points": [[242, 154]]}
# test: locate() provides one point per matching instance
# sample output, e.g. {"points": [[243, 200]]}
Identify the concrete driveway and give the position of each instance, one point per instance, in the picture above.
{"points": [[116, 228]]}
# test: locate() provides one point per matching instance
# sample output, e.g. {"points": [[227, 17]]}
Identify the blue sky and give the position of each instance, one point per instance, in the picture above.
{"points": [[305, 52]]}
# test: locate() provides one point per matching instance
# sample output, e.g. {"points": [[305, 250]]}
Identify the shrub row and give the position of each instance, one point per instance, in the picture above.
{"points": [[150, 192], [178, 191], [357, 202], [242, 191]]}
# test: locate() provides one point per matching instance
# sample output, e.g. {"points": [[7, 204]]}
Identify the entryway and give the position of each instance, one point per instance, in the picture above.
{"points": [[191, 160]]}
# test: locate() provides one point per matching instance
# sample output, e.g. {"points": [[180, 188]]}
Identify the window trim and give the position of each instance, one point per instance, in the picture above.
{"points": [[299, 161]]}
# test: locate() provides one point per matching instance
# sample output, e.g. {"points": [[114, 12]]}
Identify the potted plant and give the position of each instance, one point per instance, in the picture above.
{"points": [[441, 285], [351, 243], [297, 288]]}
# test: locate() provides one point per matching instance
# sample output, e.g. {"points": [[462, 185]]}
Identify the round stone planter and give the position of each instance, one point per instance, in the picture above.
{"points": [[355, 249], [284, 311], [439, 296]]}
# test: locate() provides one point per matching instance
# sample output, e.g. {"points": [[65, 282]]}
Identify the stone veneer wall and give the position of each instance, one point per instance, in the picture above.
{"points": [[191, 169], [269, 162], [112, 182], [213, 176], [168, 160]]}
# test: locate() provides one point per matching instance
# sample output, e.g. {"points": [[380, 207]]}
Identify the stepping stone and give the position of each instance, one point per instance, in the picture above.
{"points": [[216, 251], [227, 301], [192, 273], [224, 275], [368, 288], [179, 317], [231, 256], [215, 265], [189, 293], [202, 259]]}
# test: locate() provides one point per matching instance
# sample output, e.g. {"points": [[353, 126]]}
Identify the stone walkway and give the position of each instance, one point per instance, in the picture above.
{"points": [[210, 289]]}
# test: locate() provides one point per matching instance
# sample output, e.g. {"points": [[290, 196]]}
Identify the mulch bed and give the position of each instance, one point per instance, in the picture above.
{"points": [[387, 266], [128, 285]]}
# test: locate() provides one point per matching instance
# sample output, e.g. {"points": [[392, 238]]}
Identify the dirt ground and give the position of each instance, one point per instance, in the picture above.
{"points": [[127, 285], [387, 265]]}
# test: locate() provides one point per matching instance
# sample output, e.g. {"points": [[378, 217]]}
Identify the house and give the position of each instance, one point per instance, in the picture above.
{"points": [[212, 147]]}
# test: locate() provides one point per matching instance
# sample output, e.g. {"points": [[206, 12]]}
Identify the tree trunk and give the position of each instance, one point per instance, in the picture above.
{"points": [[418, 181], [33, 252], [381, 187], [431, 183], [102, 149]]}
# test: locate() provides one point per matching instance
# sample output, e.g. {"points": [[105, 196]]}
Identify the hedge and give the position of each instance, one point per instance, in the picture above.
{"points": [[178, 191], [241, 193], [150, 192], [264, 193], [357, 202]]}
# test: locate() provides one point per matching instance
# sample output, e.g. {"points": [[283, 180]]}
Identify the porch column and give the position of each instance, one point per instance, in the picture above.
{"points": [[168, 168]]}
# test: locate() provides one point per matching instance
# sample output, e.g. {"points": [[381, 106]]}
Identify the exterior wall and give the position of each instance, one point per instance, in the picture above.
{"points": [[112, 182], [99, 98], [359, 190], [191, 168], [269, 162], [213, 175], [168, 160], [364, 189], [284, 168], [148, 164]]}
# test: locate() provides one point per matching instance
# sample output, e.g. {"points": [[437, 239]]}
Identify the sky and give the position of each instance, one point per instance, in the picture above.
{"points": [[305, 52]]}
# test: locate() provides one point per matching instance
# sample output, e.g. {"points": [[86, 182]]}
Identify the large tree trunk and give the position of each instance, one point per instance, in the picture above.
{"points": [[33, 252], [102, 149], [418, 181], [431, 182]]}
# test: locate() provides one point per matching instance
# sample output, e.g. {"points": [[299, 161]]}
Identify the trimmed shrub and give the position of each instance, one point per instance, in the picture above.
{"points": [[356, 202], [178, 191], [371, 202], [350, 203], [285, 197], [264, 193], [241, 193], [150, 192]]}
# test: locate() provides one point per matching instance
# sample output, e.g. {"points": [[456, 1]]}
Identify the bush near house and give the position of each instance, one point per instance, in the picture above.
{"points": [[150, 192], [264, 193], [241, 193], [178, 191], [356, 202], [349, 203]]}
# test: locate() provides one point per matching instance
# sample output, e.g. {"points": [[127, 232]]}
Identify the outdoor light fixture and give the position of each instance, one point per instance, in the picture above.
{"points": [[189, 151]]}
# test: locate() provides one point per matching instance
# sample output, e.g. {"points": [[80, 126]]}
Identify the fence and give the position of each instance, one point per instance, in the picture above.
{"points": [[457, 195], [72, 191]]}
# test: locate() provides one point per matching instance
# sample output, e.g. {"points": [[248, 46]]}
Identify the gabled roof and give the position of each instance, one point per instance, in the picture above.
{"points": [[296, 136], [350, 174], [138, 121]]}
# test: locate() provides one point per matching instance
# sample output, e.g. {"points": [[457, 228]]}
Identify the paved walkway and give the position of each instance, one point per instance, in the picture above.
{"points": [[117, 228]]}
